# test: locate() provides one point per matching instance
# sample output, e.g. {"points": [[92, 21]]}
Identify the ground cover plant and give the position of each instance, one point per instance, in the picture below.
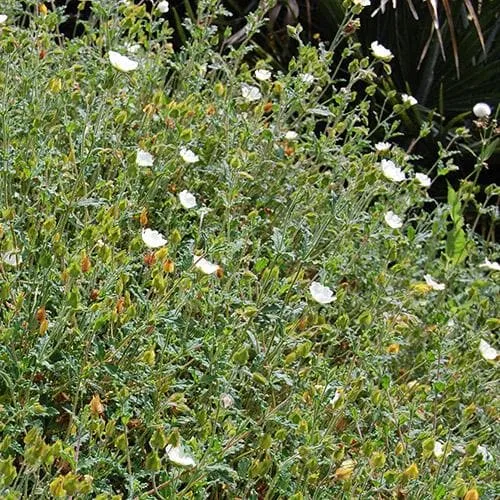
{"points": [[218, 282]]}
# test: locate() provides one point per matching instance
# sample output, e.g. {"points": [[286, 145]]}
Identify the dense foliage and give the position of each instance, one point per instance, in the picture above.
{"points": [[221, 281]]}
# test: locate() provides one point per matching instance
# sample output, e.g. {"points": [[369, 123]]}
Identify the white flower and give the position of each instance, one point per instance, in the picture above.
{"points": [[144, 159], [163, 7], [492, 266], [391, 171], [393, 220], [487, 352], [291, 135], [262, 74], [152, 238], [134, 48], [178, 456], [438, 449], [321, 294], [380, 52], [187, 199], [202, 69], [435, 285], [307, 78], [12, 258], [3, 18], [363, 3], [204, 265], [188, 156], [383, 147], [226, 400], [408, 99], [121, 63], [338, 393], [484, 452], [423, 179], [250, 93], [481, 110]]}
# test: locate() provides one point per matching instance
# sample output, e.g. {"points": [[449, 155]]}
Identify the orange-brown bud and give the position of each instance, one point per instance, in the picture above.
{"points": [[41, 314], [472, 494], [44, 326], [168, 266], [120, 305], [149, 259], [143, 217], [85, 264], [393, 348], [96, 406]]}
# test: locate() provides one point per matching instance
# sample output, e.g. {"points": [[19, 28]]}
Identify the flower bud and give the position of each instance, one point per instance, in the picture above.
{"points": [[153, 462], [345, 470], [85, 264], [158, 440], [411, 472], [472, 494], [96, 406], [143, 217], [168, 266]]}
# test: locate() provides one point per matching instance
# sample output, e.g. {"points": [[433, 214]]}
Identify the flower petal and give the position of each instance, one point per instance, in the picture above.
{"points": [[262, 74], [178, 456], [250, 93], [121, 63], [487, 352], [144, 159], [163, 7], [435, 285], [12, 258], [204, 265], [152, 238], [321, 294], [492, 266], [392, 220], [481, 110], [187, 199], [423, 179], [188, 156], [391, 171], [380, 52]]}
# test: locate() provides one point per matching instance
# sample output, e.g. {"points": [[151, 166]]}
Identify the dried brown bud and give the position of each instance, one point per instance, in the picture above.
{"points": [[120, 305], [41, 314], [143, 217], [149, 259], [96, 406], [85, 264]]}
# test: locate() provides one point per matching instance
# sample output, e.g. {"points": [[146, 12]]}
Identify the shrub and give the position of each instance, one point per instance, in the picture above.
{"points": [[215, 284]]}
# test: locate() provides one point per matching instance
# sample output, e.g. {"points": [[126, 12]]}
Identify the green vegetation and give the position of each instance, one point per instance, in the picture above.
{"points": [[224, 281]]}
